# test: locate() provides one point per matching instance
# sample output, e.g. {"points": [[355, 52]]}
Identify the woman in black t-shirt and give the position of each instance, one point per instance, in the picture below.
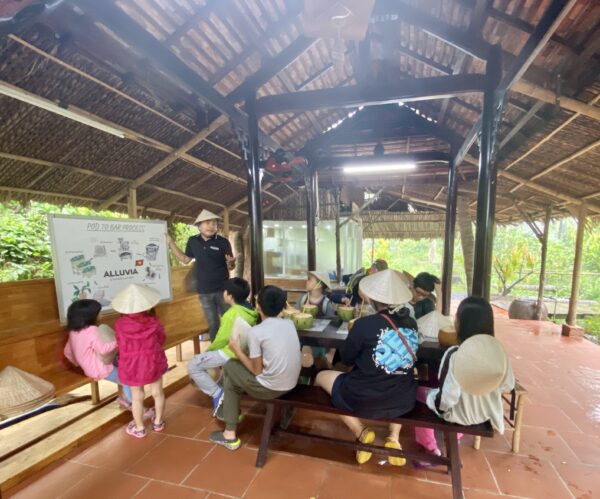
{"points": [[382, 349]]}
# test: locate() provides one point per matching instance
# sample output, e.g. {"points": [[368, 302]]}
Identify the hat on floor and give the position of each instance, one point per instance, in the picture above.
{"points": [[480, 364], [135, 298], [206, 215], [21, 391], [321, 276], [386, 286]]}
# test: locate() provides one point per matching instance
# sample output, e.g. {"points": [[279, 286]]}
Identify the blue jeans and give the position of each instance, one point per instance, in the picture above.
{"points": [[214, 307], [114, 377]]}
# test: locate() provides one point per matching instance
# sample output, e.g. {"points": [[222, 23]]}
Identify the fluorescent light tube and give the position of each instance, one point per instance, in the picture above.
{"points": [[35, 100], [380, 168]]}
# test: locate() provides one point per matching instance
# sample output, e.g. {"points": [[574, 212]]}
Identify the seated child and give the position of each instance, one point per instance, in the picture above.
{"points": [[235, 295], [85, 347], [472, 376], [142, 360], [424, 301], [271, 368], [317, 287]]}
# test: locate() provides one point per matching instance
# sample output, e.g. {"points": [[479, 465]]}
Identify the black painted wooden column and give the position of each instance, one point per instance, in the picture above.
{"points": [[449, 232], [311, 216], [254, 197], [488, 173]]}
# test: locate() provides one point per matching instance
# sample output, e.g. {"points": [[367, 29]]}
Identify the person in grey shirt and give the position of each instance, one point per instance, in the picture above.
{"points": [[270, 369]]}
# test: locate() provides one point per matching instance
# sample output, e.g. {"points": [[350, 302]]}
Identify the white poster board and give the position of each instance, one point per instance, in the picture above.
{"points": [[97, 257]]}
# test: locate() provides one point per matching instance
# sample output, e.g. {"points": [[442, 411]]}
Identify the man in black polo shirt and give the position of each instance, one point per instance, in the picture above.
{"points": [[214, 259]]}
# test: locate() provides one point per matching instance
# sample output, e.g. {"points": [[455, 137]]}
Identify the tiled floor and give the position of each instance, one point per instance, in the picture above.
{"points": [[559, 458]]}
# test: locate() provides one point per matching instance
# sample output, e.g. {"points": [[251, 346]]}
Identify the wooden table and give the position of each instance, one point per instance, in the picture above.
{"points": [[430, 352]]}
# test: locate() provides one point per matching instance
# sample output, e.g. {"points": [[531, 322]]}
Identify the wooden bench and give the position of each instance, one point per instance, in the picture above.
{"points": [[315, 399], [32, 338], [516, 404]]}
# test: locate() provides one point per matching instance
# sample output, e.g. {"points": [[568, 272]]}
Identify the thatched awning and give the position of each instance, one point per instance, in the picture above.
{"points": [[387, 225]]}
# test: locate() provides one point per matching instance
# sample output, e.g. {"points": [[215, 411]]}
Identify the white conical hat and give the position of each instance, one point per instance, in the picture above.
{"points": [[206, 215], [480, 364], [135, 298], [387, 287], [21, 391], [321, 276]]}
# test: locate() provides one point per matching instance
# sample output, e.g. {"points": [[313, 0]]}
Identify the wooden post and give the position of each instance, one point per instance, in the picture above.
{"points": [[449, 232], [338, 252], [544, 241], [132, 203], [466, 239], [570, 328], [226, 223]]}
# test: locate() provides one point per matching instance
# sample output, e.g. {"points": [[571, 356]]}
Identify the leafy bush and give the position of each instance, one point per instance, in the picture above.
{"points": [[592, 325]]}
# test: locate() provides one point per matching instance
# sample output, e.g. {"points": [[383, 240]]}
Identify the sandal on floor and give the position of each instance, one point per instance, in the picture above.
{"points": [[217, 437], [134, 432], [423, 464], [158, 427], [367, 436], [394, 460], [124, 403]]}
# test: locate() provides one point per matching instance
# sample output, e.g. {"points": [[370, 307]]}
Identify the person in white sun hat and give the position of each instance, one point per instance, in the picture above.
{"points": [[142, 361], [382, 349], [213, 261], [472, 376]]}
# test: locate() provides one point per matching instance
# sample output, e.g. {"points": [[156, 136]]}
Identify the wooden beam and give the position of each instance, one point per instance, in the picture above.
{"points": [[405, 197], [539, 93], [558, 164], [404, 90], [550, 21], [132, 209], [390, 10], [140, 40], [523, 120]]}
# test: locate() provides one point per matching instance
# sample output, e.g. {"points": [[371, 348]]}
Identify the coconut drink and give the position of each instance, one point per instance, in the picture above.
{"points": [[447, 337], [345, 313], [303, 321], [311, 309], [289, 313]]}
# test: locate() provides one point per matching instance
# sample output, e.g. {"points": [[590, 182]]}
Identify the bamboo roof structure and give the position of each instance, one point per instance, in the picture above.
{"points": [[167, 80]]}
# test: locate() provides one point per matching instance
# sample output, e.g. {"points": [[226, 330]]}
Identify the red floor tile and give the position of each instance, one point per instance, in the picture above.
{"points": [[189, 395], [172, 459], [582, 480], [545, 443], [225, 472], [526, 477], [53, 481], [159, 490], [548, 416], [584, 446], [187, 421], [417, 489], [102, 483], [341, 481], [292, 477], [118, 451]]}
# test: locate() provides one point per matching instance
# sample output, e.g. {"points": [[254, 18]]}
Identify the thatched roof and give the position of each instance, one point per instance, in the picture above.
{"points": [[71, 56]]}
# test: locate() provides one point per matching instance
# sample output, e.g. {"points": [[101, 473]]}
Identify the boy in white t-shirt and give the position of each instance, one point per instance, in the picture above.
{"points": [[271, 368]]}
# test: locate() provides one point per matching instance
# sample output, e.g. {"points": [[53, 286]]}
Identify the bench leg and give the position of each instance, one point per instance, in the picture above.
{"points": [[196, 342], [95, 392], [266, 436], [477, 443], [178, 353], [455, 465], [516, 441]]}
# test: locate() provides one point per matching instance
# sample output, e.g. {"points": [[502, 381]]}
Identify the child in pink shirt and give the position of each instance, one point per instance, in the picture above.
{"points": [[142, 360], [85, 346]]}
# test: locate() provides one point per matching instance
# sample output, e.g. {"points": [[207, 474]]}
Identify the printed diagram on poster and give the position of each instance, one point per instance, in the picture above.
{"points": [[97, 257]]}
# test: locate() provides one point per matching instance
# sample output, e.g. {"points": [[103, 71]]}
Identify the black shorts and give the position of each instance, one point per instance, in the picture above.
{"points": [[336, 395]]}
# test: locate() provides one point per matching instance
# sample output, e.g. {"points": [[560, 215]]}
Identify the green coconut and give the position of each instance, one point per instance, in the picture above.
{"points": [[345, 313], [289, 313], [311, 309], [303, 321]]}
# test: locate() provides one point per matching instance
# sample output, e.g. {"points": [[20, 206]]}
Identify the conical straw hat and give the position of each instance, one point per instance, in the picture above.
{"points": [[21, 391], [135, 298], [480, 364], [206, 215], [387, 287], [321, 276]]}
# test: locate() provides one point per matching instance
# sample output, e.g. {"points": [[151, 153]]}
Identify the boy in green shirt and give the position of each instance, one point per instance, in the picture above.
{"points": [[235, 294]]}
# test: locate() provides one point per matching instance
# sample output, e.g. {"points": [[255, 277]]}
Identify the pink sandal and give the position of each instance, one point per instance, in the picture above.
{"points": [[158, 427], [134, 432]]}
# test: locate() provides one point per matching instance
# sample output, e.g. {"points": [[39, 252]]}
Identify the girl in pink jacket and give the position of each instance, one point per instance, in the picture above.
{"points": [[142, 361], [85, 347]]}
